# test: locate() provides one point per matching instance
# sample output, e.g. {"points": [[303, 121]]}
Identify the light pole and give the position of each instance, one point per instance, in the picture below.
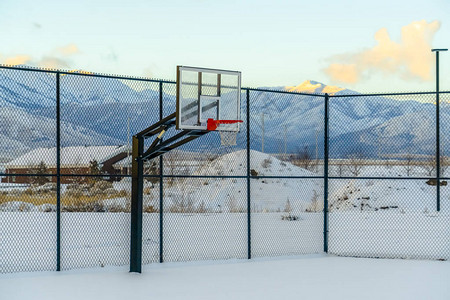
{"points": [[438, 144], [263, 132]]}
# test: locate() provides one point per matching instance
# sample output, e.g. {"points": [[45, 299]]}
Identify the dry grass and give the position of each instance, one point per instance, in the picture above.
{"points": [[50, 198]]}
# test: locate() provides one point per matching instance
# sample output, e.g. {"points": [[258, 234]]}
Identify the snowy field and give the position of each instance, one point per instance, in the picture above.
{"points": [[309, 277], [102, 239], [206, 219]]}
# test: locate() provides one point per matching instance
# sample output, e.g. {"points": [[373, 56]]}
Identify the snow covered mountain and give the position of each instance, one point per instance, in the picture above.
{"points": [[375, 125], [21, 131], [97, 111]]}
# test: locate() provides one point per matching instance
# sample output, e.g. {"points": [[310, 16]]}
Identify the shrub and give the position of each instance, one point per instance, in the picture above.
{"points": [[103, 185], [122, 193], [84, 206], [150, 209], [289, 217], [201, 208], [28, 191], [116, 209], [74, 192], [110, 192], [266, 163], [316, 205], [147, 190], [287, 206]]}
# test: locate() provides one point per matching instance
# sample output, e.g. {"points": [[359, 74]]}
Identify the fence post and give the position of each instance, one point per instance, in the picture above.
{"points": [[325, 177], [136, 205], [58, 174], [249, 241], [438, 146], [161, 180]]}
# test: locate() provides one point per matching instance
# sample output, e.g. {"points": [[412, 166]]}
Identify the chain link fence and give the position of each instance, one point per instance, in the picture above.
{"points": [[65, 168]]}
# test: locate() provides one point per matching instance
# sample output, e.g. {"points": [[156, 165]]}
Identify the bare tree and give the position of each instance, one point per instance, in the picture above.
{"points": [[287, 206], [304, 159], [429, 165], [94, 169], [409, 164], [339, 164], [40, 170], [356, 160], [316, 205], [445, 162], [152, 168], [232, 205], [77, 170], [171, 162]]}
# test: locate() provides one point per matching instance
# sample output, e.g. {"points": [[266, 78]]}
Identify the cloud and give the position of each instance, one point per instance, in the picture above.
{"points": [[58, 58], [411, 58], [68, 50], [50, 62], [147, 72], [17, 60]]}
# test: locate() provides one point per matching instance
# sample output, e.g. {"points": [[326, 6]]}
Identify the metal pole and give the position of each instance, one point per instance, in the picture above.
{"points": [[136, 205], [262, 122], [128, 143], [285, 142], [249, 240], [438, 142], [325, 178], [161, 182], [58, 173]]}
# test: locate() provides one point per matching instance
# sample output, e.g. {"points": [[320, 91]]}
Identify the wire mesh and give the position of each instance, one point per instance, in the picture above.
{"points": [[205, 218], [95, 223], [27, 161], [27, 227], [290, 128], [382, 194], [382, 136], [387, 219], [98, 118], [444, 114], [151, 243], [286, 216], [384, 211]]}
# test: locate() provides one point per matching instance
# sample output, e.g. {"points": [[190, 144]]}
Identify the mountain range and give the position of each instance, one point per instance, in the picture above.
{"points": [[105, 111]]}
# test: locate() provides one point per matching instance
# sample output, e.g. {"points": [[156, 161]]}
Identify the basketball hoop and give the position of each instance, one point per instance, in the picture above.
{"points": [[227, 137]]}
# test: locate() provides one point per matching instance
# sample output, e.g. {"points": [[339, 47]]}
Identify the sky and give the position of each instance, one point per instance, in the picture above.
{"points": [[368, 46]]}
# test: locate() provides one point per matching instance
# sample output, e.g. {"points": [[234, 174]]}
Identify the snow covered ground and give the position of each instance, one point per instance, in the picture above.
{"points": [[102, 239], [205, 219], [309, 277]]}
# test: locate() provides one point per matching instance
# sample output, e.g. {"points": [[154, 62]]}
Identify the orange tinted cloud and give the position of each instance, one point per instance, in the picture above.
{"points": [[57, 58], [17, 60], [410, 57], [69, 49], [52, 63], [346, 73]]}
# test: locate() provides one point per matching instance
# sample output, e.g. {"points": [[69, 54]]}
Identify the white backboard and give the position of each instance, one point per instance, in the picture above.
{"points": [[207, 93]]}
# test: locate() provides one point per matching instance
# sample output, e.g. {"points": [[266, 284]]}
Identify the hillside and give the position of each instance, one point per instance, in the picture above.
{"points": [[97, 111]]}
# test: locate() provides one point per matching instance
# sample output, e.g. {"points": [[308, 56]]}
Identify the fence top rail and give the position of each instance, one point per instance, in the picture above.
{"points": [[135, 78], [282, 92], [76, 73], [387, 94]]}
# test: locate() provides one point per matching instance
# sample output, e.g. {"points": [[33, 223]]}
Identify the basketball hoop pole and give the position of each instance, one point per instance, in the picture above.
{"points": [[139, 156]]}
